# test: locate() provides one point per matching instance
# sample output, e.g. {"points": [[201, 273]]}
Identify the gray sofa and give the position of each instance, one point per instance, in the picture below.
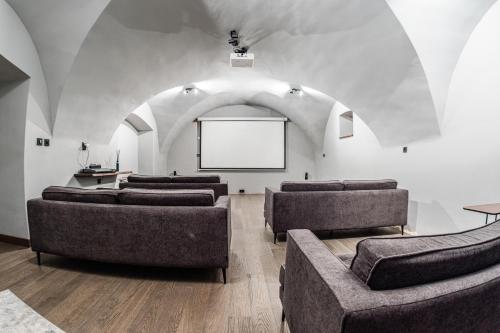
{"points": [[335, 205], [432, 284], [211, 182], [178, 228]]}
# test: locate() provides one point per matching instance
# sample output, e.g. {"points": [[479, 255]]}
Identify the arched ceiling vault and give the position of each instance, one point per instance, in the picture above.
{"points": [[58, 29], [174, 110], [367, 54], [439, 31]]}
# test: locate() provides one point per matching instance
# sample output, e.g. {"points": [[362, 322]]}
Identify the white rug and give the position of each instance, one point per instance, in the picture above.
{"points": [[17, 317]]}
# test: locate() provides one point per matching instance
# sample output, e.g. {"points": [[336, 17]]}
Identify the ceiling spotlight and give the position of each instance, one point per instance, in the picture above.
{"points": [[190, 90], [296, 91]]}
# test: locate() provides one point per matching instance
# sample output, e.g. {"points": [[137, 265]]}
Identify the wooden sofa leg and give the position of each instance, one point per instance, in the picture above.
{"points": [[282, 315], [38, 258], [402, 230], [275, 237], [224, 275]]}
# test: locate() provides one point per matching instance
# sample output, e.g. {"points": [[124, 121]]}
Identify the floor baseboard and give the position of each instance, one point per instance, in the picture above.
{"points": [[15, 240]]}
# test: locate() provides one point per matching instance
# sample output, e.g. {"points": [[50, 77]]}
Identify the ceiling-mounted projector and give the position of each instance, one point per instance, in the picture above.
{"points": [[241, 59]]}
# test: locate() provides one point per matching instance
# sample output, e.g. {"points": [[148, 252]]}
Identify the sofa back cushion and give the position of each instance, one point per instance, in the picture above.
{"points": [[206, 179], [148, 179], [305, 186], [147, 197], [389, 263], [73, 194], [382, 184]]}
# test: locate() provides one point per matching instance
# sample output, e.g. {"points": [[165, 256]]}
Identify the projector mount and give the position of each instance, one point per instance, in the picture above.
{"points": [[234, 40]]}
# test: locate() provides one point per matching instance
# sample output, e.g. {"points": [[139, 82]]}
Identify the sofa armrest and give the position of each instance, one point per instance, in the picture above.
{"points": [[268, 204], [224, 202], [309, 303]]}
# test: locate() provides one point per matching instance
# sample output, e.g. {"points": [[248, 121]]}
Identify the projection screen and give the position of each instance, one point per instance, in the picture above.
{"points": [[242, 143]]}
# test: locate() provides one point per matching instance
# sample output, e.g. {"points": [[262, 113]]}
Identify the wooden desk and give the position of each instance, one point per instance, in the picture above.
{"points": [[487, 209]]}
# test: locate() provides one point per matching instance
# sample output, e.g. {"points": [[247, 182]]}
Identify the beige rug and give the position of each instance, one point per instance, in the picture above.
{"points": [[17, 317]]}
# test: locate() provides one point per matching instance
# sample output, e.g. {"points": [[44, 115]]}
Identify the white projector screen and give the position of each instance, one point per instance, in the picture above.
{"points": [[244, 143]]}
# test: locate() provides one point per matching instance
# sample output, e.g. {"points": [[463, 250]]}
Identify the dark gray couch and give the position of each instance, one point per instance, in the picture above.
{"points": [[433, 284], [335, 205], [212, 182], [133, 226]]}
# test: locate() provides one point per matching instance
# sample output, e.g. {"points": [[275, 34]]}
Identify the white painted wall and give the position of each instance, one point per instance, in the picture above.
{"points": [[300, 155], [13, 102], [26, 101], [151, 160], [443, 174], [126, 140], [57, 164]]}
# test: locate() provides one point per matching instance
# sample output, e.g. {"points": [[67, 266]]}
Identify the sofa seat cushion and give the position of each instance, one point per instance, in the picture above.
{"points": [[305, 186], [199, 179], [382, 184], [390, 263], [148, 197], [148, 179], [73, 194]]}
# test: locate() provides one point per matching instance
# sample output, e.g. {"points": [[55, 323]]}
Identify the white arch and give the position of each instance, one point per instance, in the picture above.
{"points": [[313, 125]]}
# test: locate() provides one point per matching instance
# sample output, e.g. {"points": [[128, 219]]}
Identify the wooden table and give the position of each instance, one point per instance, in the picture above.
{"points": [[487, 209]]}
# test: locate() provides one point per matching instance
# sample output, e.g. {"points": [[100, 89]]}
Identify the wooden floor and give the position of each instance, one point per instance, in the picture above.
{"points": [[81, 296]]}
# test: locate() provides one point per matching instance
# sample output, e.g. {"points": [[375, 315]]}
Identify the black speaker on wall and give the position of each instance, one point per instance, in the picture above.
{"points": [[306, 176]]}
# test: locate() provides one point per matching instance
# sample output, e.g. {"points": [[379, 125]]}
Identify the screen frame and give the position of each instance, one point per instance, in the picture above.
{"points": [[199, 122]]}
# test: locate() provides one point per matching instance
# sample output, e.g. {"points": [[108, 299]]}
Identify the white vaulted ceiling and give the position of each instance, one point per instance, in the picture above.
{"points": [[58, 29], [103, 62]]}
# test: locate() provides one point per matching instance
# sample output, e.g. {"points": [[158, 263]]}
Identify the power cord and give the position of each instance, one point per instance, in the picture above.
{"points": [[83, 151]]}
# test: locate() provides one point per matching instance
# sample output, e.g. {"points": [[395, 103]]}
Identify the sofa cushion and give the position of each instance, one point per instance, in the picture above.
{"points": [[382, 184], [389, 263], [148, 179], [147, 197], [305, 186], [73, 194], [206, 179]]}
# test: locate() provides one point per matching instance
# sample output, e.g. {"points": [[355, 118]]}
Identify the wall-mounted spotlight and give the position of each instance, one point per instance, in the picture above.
{"points": [[296, 91]]}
